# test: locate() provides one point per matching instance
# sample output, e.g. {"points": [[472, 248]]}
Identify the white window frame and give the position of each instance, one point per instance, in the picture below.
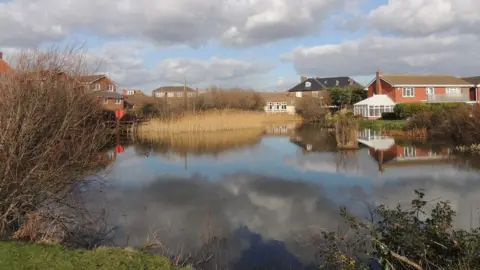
{"points": [[118, 101], [132, 92], [98, 87], [158, 94], [105, 100], [298, 94], [284, 106], [407, 94], [110, 88], [179, 94], [430, 91], [453, 91], [170, 94], [409, 151], [269, 106]]}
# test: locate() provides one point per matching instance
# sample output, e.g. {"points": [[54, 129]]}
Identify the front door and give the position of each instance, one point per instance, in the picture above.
{"points": [[473, 94]]}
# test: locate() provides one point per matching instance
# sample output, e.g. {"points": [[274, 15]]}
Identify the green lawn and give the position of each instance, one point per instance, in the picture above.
{"points": [[383, 124], [16, 255]]}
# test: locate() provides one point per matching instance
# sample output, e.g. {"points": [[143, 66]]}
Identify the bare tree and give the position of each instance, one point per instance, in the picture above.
{"points": [[51, 132]]}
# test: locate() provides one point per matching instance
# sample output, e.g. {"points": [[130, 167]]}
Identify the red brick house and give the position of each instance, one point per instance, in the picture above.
{"points": [[173, 92], [105, 88], [393, 89], [4, 66]]}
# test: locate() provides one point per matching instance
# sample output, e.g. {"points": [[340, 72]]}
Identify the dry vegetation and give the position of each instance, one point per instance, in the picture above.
{"points": [[202, 143], [51, 132], [213, 120]]}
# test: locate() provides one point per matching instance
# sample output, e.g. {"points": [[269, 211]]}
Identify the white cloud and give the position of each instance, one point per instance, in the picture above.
{"points": [[425, 17], [213, 70], [235, 22], [430, 54]]}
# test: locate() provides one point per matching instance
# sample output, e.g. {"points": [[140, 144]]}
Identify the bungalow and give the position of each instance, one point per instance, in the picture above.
{"points": [[278, 102], [313, 86], [387, 90], [476, 86], [173, 92]]}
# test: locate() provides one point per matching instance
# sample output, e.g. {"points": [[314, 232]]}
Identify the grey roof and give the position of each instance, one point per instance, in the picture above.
{"points": [[175, 89], [317, 84], [107, 94]]}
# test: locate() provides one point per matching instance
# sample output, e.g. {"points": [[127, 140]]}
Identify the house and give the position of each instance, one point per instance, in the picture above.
{"points": [[173, 92], [4, 66], [278, 102], [476, 86], [387, 90], [313, 86], [111, 101], [98, 82], [135, 99]]}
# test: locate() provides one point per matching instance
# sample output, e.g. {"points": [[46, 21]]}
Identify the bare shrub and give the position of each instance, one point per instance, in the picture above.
{"points": [[235, 98], [313, 109], [51, 131]]}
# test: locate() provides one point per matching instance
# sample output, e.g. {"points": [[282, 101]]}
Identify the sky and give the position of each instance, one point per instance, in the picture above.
{"points": [[265, 45]]}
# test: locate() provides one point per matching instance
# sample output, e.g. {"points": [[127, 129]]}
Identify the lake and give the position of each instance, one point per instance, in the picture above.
{"points": [[253, 200]]}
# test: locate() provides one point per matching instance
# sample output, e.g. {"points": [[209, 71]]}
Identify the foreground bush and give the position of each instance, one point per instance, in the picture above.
{"points": [[51, 134], [312, 109], [33, 256], [403, 237], [237, 99], [406, 110]]}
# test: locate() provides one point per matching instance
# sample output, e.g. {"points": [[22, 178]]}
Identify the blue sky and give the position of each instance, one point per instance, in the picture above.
{"points": [[259, 44]]}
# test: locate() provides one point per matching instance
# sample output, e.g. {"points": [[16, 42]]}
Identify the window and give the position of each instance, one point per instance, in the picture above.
{"points": [[409, 152], [298, 94], [284, 106], [269, 106], [170, 94], [453, 91], [132, 92], [158, 94], [97, 87], [408, 92], [430, 91], [105, 101], [110, 88], [189, 94], [118, 101], [179, 94], [337, 83], [315, 93], [308, 84]]}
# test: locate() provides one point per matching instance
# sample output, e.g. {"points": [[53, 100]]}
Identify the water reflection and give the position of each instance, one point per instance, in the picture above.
{"points": [[247, 205]]}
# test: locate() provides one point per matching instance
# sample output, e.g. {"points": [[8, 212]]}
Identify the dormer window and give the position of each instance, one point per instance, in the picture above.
{"points": [[308, 84], [130, 92], [110, 88]]}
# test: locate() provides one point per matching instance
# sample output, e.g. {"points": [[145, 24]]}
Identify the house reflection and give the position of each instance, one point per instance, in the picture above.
{"points": [[388, 153], [314, 139]]}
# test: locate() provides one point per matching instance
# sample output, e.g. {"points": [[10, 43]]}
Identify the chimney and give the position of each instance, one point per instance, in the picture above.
{"points": [[303, 78], [378, 83]]}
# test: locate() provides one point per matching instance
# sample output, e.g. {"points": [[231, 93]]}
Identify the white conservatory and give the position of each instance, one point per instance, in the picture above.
{"points": [[374, 106]]}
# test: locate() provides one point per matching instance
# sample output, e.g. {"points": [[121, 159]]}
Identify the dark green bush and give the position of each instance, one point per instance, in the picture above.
{"points": [[406, 110], [389, 116]]}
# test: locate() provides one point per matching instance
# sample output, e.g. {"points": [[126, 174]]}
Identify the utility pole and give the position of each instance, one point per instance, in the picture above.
{"points": [[185, 93]]}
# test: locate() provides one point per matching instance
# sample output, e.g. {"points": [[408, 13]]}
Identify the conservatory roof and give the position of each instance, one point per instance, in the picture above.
{"points": [[377, 100]]}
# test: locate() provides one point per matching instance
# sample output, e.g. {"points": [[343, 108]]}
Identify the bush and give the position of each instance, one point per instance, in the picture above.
{"points": [[406, 110], [312, 109], [237, 99], [389, 116], [52, 131]]}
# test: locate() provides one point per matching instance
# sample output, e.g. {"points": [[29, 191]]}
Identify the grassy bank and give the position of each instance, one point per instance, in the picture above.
{"points": [[16, 255], [215, 120], [382, 124]]}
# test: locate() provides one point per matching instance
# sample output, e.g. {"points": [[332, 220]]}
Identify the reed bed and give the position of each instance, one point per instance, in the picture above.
{"points": [[213, 121], [203, 143]]}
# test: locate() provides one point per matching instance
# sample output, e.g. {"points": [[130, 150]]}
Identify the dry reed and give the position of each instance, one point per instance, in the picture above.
{"points": [[204, 143], [214, 120]]}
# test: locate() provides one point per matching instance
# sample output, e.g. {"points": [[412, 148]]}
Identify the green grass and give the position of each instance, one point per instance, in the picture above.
{"points": [[382, 124], [17, 255]]}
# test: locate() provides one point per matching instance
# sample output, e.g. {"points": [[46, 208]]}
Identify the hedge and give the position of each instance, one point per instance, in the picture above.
{"points": [[406, 110]]}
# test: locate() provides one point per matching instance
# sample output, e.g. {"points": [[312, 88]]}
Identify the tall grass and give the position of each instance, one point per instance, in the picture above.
{"points": [[214, 120], [202, 143]]}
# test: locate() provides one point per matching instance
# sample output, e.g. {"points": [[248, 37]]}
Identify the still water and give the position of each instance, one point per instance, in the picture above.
{"points": [[252, 200]]}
